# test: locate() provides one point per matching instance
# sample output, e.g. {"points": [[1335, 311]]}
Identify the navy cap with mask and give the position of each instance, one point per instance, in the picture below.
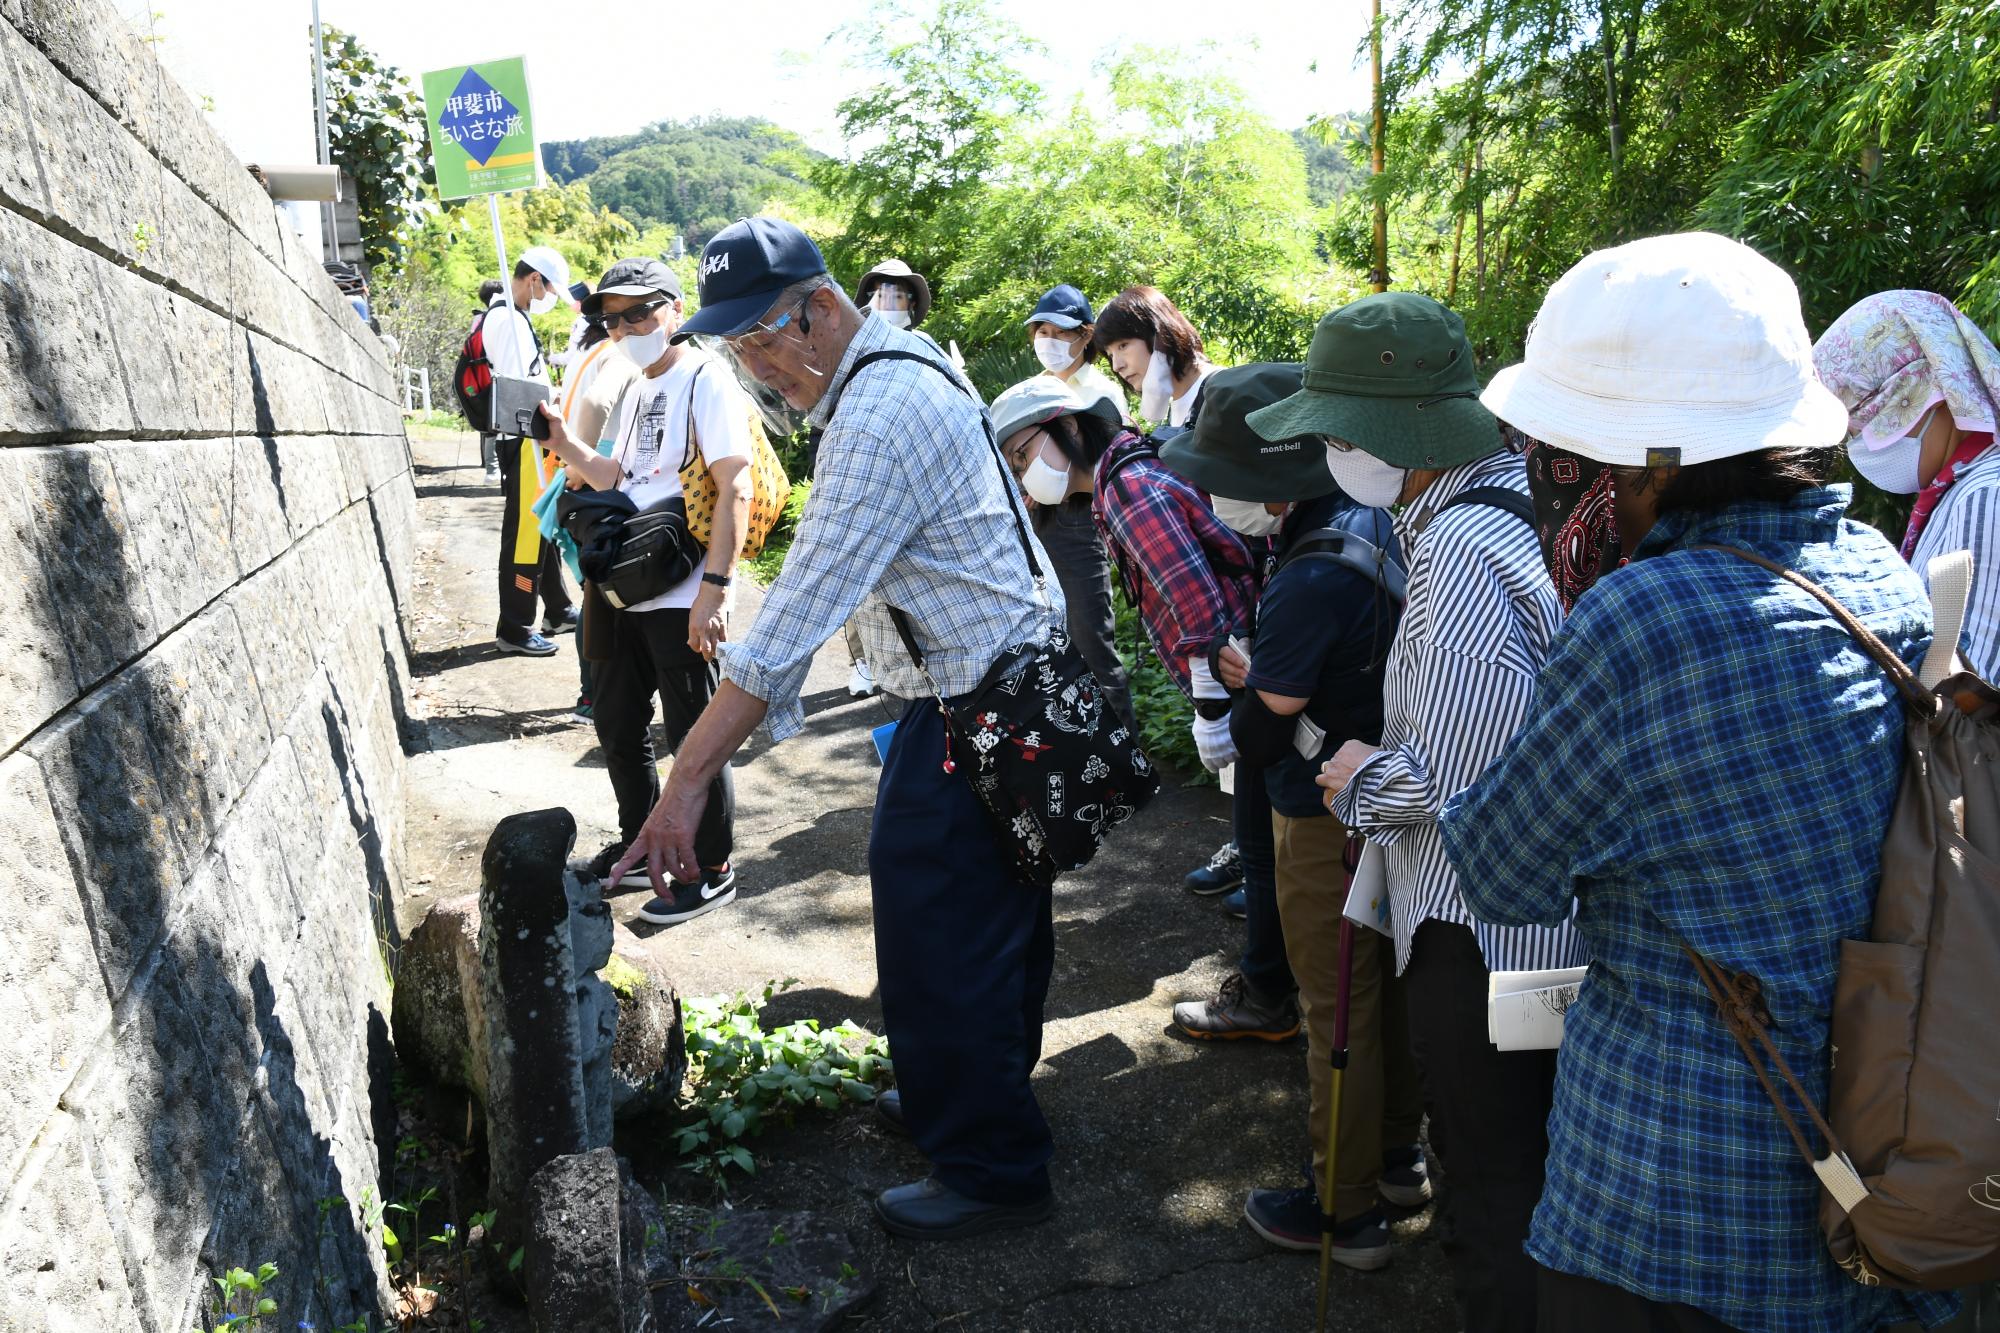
{"points": [[1064, 307], [743, 268]]}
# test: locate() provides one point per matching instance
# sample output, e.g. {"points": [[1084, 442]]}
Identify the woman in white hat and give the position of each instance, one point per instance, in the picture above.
{"points": [[1052, 437], [1710, 759], [1922, 387]]}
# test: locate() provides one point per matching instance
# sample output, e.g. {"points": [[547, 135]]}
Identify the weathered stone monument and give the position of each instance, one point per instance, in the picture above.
{"points": [[206, 505], [543, 934]]}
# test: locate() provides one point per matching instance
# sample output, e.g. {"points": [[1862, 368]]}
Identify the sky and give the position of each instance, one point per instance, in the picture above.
{"points": [[600, 67]]}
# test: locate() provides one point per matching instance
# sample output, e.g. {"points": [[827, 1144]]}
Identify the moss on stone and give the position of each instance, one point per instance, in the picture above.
{"points": [[622, 977]]}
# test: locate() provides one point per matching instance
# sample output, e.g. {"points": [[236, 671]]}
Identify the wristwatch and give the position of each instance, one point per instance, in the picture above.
{"points": [[719, 580]]}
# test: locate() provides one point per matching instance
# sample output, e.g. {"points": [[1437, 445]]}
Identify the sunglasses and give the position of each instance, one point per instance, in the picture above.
{"points": [[635, 315]]}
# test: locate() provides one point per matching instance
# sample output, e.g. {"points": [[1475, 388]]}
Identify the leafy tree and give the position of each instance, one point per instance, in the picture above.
{"points": [[1877, 164], [694, 177], [376, 132], [932, 128]]}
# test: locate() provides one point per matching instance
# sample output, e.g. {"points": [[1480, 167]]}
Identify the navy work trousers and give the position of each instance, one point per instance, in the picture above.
{"points": [[1264, 964], [963, 953]]}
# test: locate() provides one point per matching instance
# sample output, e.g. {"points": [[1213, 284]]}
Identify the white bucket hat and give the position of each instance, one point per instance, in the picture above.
{"points": [[1671, 350]]}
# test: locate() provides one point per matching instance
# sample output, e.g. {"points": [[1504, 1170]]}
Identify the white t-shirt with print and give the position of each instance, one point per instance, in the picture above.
{"points": [[650, 439]]}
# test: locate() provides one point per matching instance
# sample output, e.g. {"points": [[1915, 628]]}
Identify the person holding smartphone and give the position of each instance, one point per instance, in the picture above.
{"points": [[682, 402]]}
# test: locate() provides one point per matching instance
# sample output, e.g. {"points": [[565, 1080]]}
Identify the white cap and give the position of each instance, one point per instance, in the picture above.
{"points": [[1671, 350], [550, 265]]}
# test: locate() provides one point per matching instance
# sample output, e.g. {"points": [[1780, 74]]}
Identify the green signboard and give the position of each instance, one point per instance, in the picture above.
{"points": [[482, 135]]}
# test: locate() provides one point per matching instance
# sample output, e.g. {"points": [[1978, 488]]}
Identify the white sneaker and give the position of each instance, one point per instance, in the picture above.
{"points": [[860, 681]]}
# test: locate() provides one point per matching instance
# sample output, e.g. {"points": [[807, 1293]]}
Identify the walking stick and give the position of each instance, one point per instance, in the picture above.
{"points": [[1339, 1060]]}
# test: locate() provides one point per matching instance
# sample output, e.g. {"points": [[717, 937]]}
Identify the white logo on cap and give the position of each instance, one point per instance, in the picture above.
{"points": [[715, 264]]}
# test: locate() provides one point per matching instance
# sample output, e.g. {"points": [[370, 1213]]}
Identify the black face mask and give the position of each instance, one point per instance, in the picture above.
{"points": [[1576, 520]]}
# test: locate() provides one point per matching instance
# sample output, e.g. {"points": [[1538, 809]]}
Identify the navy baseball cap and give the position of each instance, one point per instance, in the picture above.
{"points": [[743, 268], [1063, 307]]}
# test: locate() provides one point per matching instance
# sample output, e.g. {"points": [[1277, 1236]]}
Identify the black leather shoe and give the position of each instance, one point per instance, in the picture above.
{"points": [[927, 1210], [890, 1107]]}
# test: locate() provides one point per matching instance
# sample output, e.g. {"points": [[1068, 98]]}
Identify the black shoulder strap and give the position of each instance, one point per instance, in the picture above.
{"points": [[1146, 449], [1495, 497], [1007, 487]]}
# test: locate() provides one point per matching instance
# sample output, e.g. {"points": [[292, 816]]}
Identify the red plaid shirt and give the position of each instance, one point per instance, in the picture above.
{"points": [[1191, 577]]}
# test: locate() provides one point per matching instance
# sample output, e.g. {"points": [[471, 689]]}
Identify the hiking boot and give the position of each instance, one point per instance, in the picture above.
{"points": [[1223, 872], [1290, 1219], [532, 646], [685, 902], [1237, 904], [1235, 1012], [1406, 1180]]}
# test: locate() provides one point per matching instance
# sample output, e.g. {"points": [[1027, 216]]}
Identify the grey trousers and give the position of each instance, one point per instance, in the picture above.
{"points": [[1069, 535]]}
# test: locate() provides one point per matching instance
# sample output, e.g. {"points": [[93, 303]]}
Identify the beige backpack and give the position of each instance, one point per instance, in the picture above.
{"points": [[1911, 1171]]}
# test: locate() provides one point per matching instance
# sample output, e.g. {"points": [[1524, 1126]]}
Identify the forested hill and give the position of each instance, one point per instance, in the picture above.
{"points": [[695, 176]]}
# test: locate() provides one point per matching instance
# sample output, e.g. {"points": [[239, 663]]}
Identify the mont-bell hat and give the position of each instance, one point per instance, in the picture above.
{"points": [[743, 268], [1223, 456], [1064, 307], [632, 277], [1040, 399], [1669, 351], [1390, 374], [549, 263], [903, 273]]}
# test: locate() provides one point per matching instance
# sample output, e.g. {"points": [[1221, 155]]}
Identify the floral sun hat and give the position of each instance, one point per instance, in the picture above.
{"points": [[1894, 355]]}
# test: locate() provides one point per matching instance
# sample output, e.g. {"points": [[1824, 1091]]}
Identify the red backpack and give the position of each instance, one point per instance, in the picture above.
{"points": [[472, 377]]}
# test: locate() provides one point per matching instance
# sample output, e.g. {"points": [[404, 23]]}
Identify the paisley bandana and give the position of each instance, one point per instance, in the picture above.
{"points": [[1575, 519]]}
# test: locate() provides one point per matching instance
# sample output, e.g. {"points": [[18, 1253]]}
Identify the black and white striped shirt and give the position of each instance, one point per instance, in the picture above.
{"points": [[1461, 674], [1965, 520]]}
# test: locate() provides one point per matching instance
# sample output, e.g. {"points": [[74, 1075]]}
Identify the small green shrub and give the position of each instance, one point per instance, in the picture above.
{"points": [[743, 1077]]}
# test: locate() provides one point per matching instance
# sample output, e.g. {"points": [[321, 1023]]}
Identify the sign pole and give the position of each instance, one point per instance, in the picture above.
{"points": [[500, 248]]}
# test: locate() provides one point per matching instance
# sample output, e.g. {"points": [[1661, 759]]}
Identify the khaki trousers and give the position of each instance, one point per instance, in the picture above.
{"points": [[1381, 1100]]}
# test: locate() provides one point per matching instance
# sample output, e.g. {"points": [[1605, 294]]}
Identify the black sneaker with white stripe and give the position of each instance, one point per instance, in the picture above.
{"points": [[685, 902], [600, 867]]}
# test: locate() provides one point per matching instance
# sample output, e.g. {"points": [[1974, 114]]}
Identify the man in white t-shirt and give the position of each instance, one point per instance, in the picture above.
{"points": [[665, 646], [528, 565]]}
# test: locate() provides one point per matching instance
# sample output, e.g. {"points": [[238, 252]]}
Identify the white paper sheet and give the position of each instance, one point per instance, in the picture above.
{"points": [[1368, 898], [1524, 1010]]}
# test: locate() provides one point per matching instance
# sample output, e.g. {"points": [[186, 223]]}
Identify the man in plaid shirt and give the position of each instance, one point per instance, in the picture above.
{"points": [[910, 508]]}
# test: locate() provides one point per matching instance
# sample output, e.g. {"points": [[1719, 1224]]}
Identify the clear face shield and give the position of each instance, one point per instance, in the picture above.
{"points": [[746, 351], [781, 419]]}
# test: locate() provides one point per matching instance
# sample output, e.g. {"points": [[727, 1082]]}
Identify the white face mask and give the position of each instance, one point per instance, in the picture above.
{"points": [[1156, 391], [1054, 354], [1246, 516], [1897, 466], [643, 349], [895, 319], [1045, 485], [541, 305], [1365, 478]]}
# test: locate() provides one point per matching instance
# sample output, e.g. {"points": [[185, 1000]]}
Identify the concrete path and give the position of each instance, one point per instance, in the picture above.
{"points": [[1158, 1139]]}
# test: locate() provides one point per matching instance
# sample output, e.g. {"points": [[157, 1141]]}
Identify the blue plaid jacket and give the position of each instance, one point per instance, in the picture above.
{"points": [[1709, 758]]}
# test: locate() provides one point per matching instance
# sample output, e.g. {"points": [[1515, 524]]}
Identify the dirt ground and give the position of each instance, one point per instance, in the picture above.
{"points": [[1158, 1139]]}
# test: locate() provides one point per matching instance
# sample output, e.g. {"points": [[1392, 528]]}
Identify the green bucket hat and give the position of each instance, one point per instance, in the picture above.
{"points": [[1390, 374], [1225, 457]]}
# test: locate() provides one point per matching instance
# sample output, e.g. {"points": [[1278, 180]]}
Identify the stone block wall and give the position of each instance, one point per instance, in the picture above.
{"points": [[206, 509]]}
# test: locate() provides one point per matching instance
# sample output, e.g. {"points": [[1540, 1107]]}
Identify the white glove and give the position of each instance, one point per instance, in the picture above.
{"points": [[1202, 683], [1212, 742]]}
